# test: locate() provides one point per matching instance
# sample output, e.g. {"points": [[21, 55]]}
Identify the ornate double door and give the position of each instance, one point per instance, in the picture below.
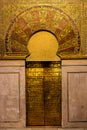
{"points": [[43, 93]]}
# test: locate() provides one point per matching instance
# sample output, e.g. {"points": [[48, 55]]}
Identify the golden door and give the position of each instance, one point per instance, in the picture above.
{"points": [[43, 93]]}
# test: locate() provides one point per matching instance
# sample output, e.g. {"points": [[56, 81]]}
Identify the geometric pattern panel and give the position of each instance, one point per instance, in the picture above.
{"points": [[39, 18]]}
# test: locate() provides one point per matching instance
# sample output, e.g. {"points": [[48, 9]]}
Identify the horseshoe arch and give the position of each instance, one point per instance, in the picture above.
{"points": [[40, 18]]}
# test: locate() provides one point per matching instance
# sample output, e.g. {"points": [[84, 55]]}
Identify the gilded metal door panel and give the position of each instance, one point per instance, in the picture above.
{"points": [[52, 87], [35, 104], [43, 93]]}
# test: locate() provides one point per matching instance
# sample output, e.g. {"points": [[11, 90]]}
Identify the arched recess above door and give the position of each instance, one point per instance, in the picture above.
{"points": [[37, 18]]}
